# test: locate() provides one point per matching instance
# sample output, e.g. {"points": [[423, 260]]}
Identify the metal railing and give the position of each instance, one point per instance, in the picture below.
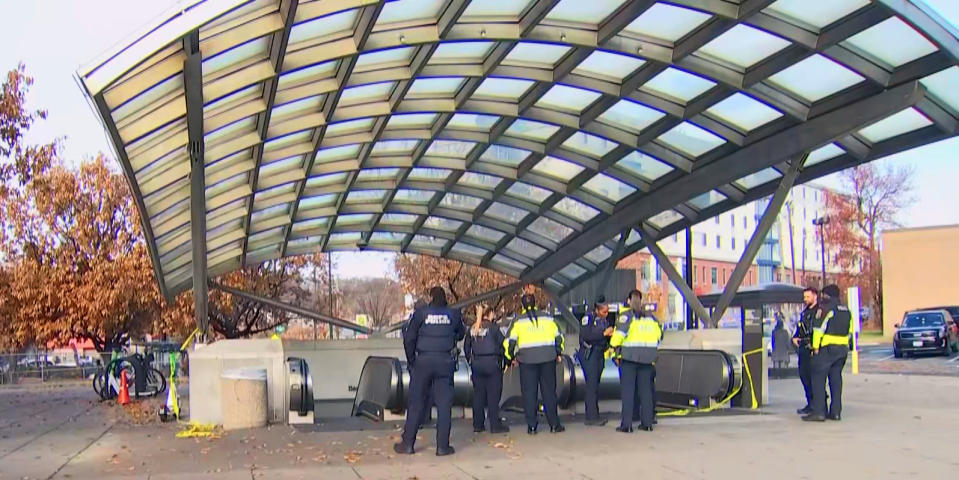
{"points": [[45, 367]]}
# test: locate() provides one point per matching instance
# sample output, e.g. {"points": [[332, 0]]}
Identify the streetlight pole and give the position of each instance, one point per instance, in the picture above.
{"points": [[822, 222]]}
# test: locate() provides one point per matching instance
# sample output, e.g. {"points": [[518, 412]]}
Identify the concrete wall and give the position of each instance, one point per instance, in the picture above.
{"points": [[918, 270]]}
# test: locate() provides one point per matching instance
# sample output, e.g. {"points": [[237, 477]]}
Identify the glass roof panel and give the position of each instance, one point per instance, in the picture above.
{"points": [[273, 168], [572, 271], [577, 11], [390, 57], [550, 229], [393, 147], [344, 238], [608, 66], [677, 84], [528, 192], [729, 47], [691, 139], [484, 233], [744, 112], [470, 121], [759, 178], [298, 107], [525, 248], [450, 148], [440, 223], [630, 116], [429, 242], [387, 238], [891, 43], [665, 219], [336, 153], [461, 52], [575, 209], [310, 224], [413, 196], [443, 87], [331, 24], [366, 93], [531, 130], [503, 155], [589, 144], [503, 89], [365, 196], [286, 140], [706, 200], [411, 120], [942, 86], [460, 202], [354, 219], [507, 9], [608, 187], [468, 250], [409, 11], [894, 125], [556, 168], [308, 74], [813, 15], [479, 180], [644, 166], [326, 180], [350, 126], [506, 213], [429, 174], [667, 22], [256, 48], [318, 201], [398, 219], [374, 174], [815, 78], [535, 54], [598, 254], [567, 99], [823, 153], [507, 263]]}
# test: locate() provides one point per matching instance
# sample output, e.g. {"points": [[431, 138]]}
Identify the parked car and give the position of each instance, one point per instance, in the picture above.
{"points": [[926, 331], [953, 310]]}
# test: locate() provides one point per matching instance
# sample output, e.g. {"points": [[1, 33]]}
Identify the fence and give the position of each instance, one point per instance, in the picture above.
{"points": [[60, 365]]}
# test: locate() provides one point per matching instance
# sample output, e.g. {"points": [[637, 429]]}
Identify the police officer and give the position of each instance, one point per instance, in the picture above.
{"points": [[830, 345], [802, 340], [484, 352], [636, 341], [426, 418], [430, 344], [535, 343], [593, 342]]}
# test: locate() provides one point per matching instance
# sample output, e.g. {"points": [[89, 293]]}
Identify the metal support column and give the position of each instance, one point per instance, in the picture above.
{"points": [[571, 323], [691, 322], [193, 84], [292, 309], [756, 241], [649, 238], [611, 264], [504, 290]]}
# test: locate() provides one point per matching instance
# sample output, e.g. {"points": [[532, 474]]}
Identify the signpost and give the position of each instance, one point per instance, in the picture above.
{"points": [[361, 319], [853, 303]]}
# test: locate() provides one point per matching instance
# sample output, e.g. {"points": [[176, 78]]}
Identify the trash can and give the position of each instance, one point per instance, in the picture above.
{"points": [[243, 398]]}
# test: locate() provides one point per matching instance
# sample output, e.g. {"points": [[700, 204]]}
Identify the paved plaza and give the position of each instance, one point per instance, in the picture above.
{"points": [[895, 426]]}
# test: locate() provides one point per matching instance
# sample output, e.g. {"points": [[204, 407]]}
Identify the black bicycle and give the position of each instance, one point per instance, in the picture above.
{"points": [[106, 382]]}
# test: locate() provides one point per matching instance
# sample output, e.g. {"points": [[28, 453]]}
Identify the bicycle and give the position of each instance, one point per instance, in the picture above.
{"points": [[106, 382]]}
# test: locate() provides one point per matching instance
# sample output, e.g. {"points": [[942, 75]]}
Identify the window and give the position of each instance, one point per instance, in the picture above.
{"points": [[695, 276], [702, 239], [659, 274], [717, 219], [733, 246], [718, 241], [732, 220], [744, 223], [713, 272], [704, 275]]}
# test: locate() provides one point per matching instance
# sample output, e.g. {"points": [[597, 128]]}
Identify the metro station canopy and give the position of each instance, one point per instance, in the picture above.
{"points": [[522, 135]]}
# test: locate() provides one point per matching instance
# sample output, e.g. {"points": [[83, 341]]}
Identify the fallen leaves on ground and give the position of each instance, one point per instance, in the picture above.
{"points": [[353, 457]]}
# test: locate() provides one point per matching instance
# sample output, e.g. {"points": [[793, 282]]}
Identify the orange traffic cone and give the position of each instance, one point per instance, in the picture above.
{"points": [[124, 396]]}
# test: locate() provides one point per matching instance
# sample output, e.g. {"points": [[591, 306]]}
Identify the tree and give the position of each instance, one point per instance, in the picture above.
{"points": [[874, 196], [380, 299]]}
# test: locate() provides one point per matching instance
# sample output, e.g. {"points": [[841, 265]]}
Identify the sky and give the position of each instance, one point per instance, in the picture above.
{"points": [[54, 37]]}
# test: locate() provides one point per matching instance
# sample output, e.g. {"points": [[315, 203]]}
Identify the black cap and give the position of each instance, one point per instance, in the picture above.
{"points": [[600, 300], [831, 290]]}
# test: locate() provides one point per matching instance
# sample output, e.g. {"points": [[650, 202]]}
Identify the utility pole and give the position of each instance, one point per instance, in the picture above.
{"points": [[822, 222], [691, 322], [329, 285]]}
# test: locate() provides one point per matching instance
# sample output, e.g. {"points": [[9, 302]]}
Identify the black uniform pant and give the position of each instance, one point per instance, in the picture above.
{"points": [[542, 377], [632, 377], [487, 390], [593, 364], [805, 373], [828, 364], [431, 373]]}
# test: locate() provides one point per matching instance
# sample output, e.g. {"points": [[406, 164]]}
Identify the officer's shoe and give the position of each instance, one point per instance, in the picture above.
{"points": [[646, 428], [596, 422], [557, 429], [531, 430], [623, 429], [804, 410], [442, 452], [479, 429], [402, 448], [835, 418], [812, 417], [499, 429]]}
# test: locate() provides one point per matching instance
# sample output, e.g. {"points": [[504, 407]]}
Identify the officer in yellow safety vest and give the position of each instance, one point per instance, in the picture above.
{"points": [[535, 343], [636, 342], [830, 346]]}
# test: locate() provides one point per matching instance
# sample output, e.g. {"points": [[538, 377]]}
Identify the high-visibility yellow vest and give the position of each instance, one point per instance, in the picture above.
{"points": [[637, 339], [533, 340], [835, 328]]}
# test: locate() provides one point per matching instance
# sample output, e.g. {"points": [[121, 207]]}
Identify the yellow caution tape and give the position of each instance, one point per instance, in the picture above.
{"points": [[196, 430], [752, 391], [189, 338]]}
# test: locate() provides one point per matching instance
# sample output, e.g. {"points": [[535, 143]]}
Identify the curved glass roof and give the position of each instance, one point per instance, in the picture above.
{"points": [[526, 136]]}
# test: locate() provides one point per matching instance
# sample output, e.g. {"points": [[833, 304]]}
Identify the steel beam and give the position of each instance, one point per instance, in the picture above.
{"points": [[286, 307], [749, 159], [649, 238], [505, 289], [565, 312], [193, 84], [758, 237], [921, 16], [611, 263]]}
